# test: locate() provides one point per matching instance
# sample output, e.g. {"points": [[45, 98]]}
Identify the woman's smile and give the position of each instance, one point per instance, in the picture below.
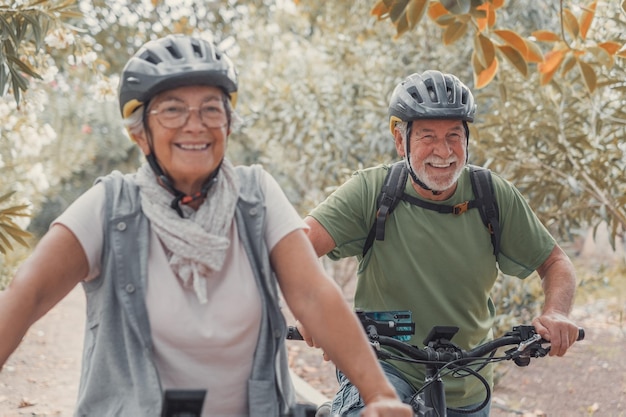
{"points": [[192, 146]]}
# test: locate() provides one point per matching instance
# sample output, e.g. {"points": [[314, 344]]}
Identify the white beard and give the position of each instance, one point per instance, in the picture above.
{"points": [[438, 182]]}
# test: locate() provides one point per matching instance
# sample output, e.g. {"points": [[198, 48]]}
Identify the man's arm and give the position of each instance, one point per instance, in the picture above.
{"points": [[319, 237], [558, 279]]}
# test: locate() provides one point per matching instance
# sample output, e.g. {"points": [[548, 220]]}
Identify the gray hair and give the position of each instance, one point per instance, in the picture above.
{"points": [[402, 128], [134, 122]]}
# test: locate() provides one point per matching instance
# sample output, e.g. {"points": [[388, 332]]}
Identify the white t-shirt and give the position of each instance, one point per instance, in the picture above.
{"points": [[197, 346]]}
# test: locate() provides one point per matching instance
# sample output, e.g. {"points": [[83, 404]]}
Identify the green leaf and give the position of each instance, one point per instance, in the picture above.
{"points": [[36, 28], [402, 25], [415, 11], [589, 75], [7, 29], [13, 230], [16, 89], [571, 23], [397, 10], [5, 243], [6, 196], [18, 80], [454, 32], [485, 50], [15, 211], [457, 6], [24, 67], [514, 57]]}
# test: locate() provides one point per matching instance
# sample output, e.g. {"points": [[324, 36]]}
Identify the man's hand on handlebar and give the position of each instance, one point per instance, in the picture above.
{"points": [[309, 339], [559, 330]]}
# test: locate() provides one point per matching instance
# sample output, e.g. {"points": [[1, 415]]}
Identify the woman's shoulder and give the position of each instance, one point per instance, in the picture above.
{"points": [[117, 177]]}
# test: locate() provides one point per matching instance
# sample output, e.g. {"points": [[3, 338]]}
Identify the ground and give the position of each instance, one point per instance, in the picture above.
{"points": [[40, 378]]}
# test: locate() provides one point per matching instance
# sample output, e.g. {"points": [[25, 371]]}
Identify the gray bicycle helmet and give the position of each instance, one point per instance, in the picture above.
{"points": [[431, 95], [171, 62]]}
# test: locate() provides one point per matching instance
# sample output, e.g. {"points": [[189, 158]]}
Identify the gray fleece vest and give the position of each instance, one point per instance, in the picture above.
{"points": [[119, 376]]}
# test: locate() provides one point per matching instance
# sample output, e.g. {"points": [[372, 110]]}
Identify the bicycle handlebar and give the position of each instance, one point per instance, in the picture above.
{"points": [[440, 353], [447, 352], [439, 348]]}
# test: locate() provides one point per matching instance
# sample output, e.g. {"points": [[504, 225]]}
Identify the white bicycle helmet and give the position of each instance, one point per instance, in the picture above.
{"points": [[171, 62]]}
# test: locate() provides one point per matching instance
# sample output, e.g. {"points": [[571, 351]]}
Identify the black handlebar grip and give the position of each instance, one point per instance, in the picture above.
{"points": [[581, 334], [293, 333]]}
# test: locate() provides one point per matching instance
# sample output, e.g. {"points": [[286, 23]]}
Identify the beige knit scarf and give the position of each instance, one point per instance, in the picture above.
{"points": [[196, 243]]}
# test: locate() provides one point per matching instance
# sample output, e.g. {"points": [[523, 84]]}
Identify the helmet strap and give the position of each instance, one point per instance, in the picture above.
{"points": [[181, 198], [467, 134]]}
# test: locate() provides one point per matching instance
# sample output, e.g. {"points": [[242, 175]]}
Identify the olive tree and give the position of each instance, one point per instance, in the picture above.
{"points": [[550, 81]]}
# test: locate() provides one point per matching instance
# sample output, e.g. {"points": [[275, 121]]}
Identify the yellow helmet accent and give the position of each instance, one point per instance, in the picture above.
{"points": [[392, 123], [233, 99], [130, 107]]}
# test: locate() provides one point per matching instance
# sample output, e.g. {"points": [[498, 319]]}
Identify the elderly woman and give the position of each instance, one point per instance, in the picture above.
{"points": [[182, 261]]}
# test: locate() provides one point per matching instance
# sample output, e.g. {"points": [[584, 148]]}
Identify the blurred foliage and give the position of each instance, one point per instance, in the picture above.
{"points": [[315, 79], [479, 19], [517, 302], [23, 27], [9, 230], [326, 114], [563, 148]]}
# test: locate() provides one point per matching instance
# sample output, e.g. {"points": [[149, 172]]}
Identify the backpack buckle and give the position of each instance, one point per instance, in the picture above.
{"points": [[460, 208]]}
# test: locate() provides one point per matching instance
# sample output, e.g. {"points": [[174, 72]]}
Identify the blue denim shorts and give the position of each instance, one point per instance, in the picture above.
{"points": [[348, 402]]}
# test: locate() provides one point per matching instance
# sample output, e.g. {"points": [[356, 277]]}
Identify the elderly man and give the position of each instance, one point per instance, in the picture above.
{"points": [[437, 258]]}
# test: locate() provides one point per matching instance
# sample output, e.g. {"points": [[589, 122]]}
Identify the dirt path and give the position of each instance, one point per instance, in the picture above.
{"points": [[589, 381], [41, 377]]}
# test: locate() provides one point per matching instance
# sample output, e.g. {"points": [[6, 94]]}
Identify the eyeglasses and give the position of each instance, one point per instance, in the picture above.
{"points": [[173, 115]]}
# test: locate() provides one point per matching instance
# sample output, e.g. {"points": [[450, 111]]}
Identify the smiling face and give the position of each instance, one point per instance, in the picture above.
{"points": [[190, 153], [437, 154]]}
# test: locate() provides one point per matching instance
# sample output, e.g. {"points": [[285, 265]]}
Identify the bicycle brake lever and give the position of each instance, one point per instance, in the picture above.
{"points": [[526, 343], [380, 353], [528, 348]]}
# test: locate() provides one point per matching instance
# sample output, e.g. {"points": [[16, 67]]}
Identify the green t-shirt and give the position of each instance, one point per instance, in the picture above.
{"points": [[441, 267]]}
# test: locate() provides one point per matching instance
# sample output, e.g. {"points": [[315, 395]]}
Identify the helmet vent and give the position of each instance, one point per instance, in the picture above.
{"points": [[196, 50], [433, 95], [464, 98], [151, 58], [415, 94], [174, 52]]}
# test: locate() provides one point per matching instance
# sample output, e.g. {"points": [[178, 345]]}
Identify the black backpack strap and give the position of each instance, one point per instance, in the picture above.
{"points": [[440, 208], [390, 195], [486, 203]]}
